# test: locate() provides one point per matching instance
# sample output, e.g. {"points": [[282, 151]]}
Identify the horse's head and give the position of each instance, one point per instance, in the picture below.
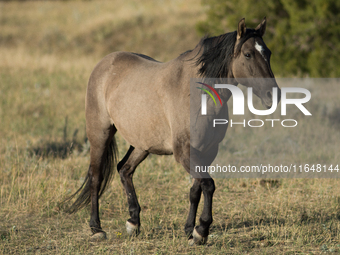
{"points": [[252, 61]]}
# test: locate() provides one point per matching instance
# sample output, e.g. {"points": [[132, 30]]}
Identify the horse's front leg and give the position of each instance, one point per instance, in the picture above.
{"points": [[195, 197], [203, 182], [201, 232]]}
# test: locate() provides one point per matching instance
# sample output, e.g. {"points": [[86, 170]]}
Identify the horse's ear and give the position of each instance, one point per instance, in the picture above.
{"points": [[261, 28], [241, 29]]}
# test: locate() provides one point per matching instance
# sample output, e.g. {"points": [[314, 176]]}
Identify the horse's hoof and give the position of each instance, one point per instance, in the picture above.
{"points": [[197, 239], [100, 236], [132, 229]]}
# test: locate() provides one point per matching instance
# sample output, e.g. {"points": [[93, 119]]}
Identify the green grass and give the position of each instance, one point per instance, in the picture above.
{"points": [[48, 50]]}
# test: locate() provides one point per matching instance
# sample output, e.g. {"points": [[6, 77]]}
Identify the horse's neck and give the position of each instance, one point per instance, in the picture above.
{"points": [[225, 94], [192, 56]]}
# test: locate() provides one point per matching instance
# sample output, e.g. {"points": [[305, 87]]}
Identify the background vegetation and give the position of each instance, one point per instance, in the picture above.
{"points": [[302, 35], [47, 52]]}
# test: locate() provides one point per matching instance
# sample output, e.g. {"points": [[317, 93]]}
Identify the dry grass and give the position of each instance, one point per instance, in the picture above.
{"points": [[48, 50]]}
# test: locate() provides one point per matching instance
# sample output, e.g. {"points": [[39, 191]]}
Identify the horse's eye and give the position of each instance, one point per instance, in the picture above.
{"points": [[247, 55]]}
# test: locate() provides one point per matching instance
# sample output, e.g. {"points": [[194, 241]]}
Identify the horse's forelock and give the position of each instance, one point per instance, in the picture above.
{"points": [[250, 33]]}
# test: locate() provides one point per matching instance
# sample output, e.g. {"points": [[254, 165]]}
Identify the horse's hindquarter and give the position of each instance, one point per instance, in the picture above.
{"points": [[138, 101]]}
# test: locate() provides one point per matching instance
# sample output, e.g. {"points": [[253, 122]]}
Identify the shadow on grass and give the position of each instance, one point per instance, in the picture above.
{"points": [[303, 218], [61, 148], [57, 149], [334, 117]]}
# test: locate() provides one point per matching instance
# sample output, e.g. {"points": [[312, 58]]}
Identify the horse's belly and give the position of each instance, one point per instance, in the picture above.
{"points": [[154, 138], [142, 123]]}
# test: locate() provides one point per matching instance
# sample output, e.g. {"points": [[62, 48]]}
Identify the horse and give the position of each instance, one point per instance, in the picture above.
{"points": [[148, 102]]}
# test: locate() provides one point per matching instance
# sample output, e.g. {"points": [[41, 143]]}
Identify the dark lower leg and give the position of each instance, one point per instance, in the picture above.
{"points": [[95, 181], [195, 196], [208, 188], [134, 208], [126, 169]]}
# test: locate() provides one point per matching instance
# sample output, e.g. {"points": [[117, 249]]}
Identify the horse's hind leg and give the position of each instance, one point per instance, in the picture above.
{"points": [[102, 152], [99, 153], [126, 168]]}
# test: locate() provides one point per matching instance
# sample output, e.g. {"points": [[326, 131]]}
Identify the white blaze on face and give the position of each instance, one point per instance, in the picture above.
{"points": [[260, 49]]}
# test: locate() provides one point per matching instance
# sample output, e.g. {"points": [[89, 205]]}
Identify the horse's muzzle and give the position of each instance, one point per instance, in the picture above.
{"points": [[267, 99]]}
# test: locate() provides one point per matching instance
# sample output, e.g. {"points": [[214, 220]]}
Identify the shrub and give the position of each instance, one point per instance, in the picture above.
{"points": [[302, 35]]}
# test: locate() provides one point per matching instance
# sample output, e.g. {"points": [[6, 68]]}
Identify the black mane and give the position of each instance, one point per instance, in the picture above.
{"points": [[218, 52], [145, 56]]}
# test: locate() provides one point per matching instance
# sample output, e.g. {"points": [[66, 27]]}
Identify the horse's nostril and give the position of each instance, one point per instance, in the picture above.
{"points": [[269, 94]]}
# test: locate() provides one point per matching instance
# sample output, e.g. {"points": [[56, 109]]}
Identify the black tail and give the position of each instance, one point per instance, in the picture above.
{"points": [[109, 159]]}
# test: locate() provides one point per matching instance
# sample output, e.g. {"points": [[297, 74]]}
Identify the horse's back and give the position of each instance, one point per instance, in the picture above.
{"points": [[119, 69], [122, 59]]}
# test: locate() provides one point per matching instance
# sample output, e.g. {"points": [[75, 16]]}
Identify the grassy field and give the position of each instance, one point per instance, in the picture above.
{"points": [[47, 52]]}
